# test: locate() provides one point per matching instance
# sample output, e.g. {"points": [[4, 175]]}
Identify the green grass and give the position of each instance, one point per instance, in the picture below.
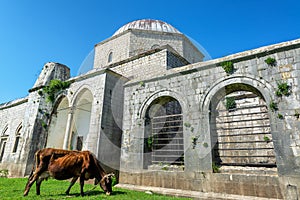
{"points": [[13, 188]]}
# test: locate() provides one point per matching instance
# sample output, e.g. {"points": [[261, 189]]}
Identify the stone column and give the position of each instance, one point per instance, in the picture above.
{"points": [[68, 129]]}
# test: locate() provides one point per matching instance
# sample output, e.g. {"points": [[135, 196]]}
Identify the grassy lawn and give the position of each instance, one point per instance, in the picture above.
{"points": [[13, 188]]}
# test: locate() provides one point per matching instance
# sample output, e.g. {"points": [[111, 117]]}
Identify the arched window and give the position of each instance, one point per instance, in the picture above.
{"points": [[110, 57], [164, 132], [18, 136], [3, 140], [155, 46]]}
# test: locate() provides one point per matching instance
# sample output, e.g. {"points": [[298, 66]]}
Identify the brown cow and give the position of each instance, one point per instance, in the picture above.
{"points": [[64, 164], [42, 158]]}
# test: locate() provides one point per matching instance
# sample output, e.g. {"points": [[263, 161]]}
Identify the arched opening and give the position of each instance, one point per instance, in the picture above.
{"points": [[3, 141], [164, 133], [240, 127], [110, 57], [18, 137], [155, 46], [81, 120], [58, 124]]}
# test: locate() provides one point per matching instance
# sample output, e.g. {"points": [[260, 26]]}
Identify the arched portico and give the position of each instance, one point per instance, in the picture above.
{"points": [[58, 123], [80, 120]]}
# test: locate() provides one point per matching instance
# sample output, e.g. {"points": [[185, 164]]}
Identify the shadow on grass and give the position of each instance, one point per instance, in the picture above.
{"points": [[91, 193]]}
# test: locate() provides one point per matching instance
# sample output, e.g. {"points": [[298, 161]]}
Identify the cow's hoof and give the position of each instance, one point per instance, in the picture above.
{"points": [[108, 193]]}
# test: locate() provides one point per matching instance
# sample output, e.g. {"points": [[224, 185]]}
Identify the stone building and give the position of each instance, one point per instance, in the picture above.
{"points": [[155, 112]]}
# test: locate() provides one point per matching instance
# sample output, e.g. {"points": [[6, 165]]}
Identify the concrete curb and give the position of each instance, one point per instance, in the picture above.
{"points": [[188, 193]]}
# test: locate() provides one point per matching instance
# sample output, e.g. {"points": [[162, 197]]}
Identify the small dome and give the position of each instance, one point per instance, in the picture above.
{"points": [[148, 24]]}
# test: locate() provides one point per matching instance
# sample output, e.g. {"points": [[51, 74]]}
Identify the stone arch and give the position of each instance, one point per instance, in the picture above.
{"points": [[58, 123], [263, 87], [183, 102], [80, 125], [241, 135], [163, 114]]}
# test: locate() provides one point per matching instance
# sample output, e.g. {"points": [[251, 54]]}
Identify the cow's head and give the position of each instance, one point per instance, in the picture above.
{"points": [[106, 183]]}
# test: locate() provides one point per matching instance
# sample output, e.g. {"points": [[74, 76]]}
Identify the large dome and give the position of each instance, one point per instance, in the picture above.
{"points": [[148, 24]]}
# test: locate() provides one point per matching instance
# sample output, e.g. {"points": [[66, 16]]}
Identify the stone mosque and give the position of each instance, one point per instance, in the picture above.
{"points": [[156, 112]]}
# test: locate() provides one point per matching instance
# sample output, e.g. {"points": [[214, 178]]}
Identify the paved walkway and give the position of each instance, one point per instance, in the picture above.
{"points": [[188, 193]]}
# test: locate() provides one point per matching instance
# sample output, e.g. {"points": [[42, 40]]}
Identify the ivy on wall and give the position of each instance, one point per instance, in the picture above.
{"points": [[53, 88]]}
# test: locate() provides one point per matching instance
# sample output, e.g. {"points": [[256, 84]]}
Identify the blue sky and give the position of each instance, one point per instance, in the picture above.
{"points": [[34, 32]]}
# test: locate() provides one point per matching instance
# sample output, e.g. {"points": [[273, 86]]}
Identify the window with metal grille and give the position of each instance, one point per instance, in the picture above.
{"points": [[165, 137]]}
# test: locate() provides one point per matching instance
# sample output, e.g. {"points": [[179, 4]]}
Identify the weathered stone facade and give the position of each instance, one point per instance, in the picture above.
{"points": [[152, 110]]}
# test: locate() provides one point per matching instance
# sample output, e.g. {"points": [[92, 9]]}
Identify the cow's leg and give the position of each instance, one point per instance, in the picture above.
{"points": [[73, 181], [30, 183], [38, 185], [81, 185]]}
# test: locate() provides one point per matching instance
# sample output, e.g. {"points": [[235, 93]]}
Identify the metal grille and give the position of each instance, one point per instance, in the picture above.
{"points": [[167, 140]]}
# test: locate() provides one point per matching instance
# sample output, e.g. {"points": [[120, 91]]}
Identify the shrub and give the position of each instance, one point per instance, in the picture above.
{"points": [[54, 87], [230, 103], [296, 114], [270, 61], [215, 167], [280, 116], [283, 89], [267, 139], [228, 67], [3, 173], [273, 106]]}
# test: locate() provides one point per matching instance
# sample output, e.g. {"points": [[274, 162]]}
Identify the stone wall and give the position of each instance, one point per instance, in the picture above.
{"points": [[151, 63], [11, 123], [267, 186], [135, 42], [200, 85], [119, 46]]}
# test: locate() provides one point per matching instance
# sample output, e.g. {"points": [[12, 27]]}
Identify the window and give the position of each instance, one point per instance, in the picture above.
{"points": [[110, 57], [79, 143], [3, 140], [164, 132], [18, 136]]}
